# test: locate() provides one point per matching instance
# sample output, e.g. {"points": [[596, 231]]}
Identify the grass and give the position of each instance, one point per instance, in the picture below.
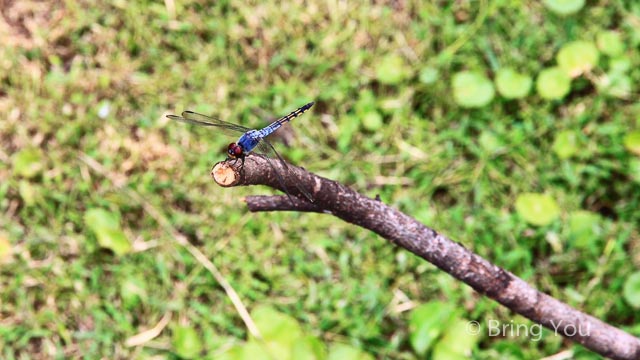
{"points": [[97, 81]]}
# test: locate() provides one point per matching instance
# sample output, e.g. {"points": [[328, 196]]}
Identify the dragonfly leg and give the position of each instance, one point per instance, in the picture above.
{"points": [[234, 161], [242, 165]]}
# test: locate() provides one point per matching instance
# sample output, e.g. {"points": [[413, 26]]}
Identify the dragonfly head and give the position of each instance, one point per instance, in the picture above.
{"points": [[234, 151]]}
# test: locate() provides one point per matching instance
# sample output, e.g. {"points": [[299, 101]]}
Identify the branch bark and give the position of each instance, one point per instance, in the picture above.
{"points": [[486, 278]]}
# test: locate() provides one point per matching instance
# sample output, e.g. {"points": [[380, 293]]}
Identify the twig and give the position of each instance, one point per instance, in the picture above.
{"points": [[488, 279]]}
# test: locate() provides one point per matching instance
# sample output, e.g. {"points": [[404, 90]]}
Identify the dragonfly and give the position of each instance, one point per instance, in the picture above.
{"points": [[251, 140]]}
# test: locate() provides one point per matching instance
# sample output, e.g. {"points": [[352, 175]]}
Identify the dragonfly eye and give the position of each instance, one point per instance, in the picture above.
{"points": [[234, 150]]}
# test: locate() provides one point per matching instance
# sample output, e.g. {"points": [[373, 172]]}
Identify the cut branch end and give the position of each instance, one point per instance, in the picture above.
{"points": [[225, 174]]}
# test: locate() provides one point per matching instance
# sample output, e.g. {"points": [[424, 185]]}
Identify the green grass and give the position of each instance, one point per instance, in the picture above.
{"points": [[65, 296]]}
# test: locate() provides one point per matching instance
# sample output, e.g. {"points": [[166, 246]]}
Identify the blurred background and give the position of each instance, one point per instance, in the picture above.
{"points": [[512, 127]]}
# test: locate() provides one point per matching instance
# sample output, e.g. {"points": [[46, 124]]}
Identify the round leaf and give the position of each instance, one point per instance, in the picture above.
{"points": [[457, 342], [186, 342], [28, 193], [615, 84], [28, 162], [309, 348], [372, 121], [106, 226], [279, 331], [553, 83], [537, 209], [632, 142], [489, 142], [429, 75], [253, 350], [391, 70], [620, 64], [564, 7], [472, 90], [565, 144], [631, 290], [610, 43], [584, 228], [248, 350], [578, 57], [427, 323], [511, 84]]}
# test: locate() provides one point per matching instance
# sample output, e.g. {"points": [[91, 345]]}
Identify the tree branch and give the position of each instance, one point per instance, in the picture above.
{"points": [[500, 285]]}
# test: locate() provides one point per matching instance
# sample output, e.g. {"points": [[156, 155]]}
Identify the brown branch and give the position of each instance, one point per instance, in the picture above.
{"points": [[450, 256]]}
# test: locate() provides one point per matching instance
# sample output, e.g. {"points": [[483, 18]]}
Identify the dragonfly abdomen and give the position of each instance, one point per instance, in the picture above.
{"points": [[278, 123]]}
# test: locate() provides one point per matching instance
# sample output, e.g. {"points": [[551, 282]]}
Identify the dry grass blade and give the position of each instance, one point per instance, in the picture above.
{"points": [[150, 334], [178, 238]]}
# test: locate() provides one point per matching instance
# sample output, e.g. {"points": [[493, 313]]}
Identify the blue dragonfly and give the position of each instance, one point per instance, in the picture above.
{"points": [[251, 140]]}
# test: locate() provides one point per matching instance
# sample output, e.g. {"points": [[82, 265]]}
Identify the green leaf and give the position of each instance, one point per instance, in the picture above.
{"points": [[565, 144], [28, 162], [619, 65], [429, 75], [584, 228], [309, 348], [186, 342], [610, 43], [250, 350], [490, 143], [632, 142], [372, 121], [254, 350], [279, 331], [553, 83], [347, 352], [631, 291], [237, 352], [426, 324], [106, 226], [457, 342], [578, 57], [472, 89], [537, 209], [615, 84], [513, 85], [564, 7], [391, 70], [28, 193], [366, 102]]}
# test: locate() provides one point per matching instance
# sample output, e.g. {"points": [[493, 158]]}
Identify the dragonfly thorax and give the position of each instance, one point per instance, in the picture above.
{"points": [[235, 151]]}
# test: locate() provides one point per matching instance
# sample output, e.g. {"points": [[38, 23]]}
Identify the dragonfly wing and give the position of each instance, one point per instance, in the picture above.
{"points": [[267, 149], [191, 117]]}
